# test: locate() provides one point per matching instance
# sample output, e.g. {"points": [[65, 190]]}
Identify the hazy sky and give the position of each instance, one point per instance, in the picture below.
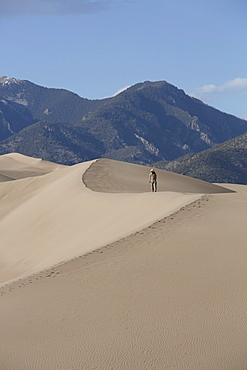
{"points": [[96, 48]]}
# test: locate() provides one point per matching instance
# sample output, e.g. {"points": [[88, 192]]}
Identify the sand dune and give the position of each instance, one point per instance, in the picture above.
{"points": [[17, 166], [151, 280], [51, 218]]}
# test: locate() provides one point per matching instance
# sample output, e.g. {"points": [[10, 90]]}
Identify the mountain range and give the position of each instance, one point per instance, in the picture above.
{"points": [[150, 122]]}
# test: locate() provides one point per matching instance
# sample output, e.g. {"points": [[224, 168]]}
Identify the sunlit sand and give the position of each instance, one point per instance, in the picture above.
{"points": [[97, 272]]}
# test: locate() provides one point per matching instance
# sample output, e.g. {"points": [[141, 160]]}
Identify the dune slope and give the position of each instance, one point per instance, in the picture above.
{"points": [[54, 217], [171, 296]]}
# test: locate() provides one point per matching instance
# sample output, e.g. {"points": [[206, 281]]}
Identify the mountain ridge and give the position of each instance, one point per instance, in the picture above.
{"points": [[146, 123]]}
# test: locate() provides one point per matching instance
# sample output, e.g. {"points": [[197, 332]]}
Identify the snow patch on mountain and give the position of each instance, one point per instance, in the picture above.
{"points": [[8, 80]]}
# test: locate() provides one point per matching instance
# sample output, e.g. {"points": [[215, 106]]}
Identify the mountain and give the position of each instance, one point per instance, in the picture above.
{"points": [[42, 103], [224, 163], [153, 120], [146, 123], [63, 144]]}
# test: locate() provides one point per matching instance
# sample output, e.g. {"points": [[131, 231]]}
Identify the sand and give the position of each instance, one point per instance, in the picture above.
{"points": [[97, 272]]}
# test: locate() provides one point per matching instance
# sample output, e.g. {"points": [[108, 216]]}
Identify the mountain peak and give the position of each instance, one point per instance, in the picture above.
{"points": [[8, 80], [156, 86]]}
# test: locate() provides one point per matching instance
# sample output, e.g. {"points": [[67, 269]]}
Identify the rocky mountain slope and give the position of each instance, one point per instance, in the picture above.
{"points": [[224, 163]]}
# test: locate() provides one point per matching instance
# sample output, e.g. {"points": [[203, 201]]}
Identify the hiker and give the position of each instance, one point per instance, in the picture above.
{"points": [[153, 180]]}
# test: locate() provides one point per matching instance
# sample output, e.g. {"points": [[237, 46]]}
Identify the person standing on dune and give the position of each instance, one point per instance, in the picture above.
{"points": [[153, 180]]}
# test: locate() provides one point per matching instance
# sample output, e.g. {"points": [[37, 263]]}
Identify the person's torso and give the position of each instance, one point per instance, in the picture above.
{"points": [[153, 176]]}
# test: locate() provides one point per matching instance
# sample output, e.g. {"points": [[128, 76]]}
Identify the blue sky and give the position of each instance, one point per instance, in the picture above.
{"points": [[96, 48]]}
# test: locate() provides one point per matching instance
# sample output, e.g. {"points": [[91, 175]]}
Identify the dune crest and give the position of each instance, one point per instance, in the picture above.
{"points": [[110, 176]]}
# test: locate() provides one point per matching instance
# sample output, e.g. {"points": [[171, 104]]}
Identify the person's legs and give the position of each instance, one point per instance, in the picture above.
{"points": [[153, 186]]}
